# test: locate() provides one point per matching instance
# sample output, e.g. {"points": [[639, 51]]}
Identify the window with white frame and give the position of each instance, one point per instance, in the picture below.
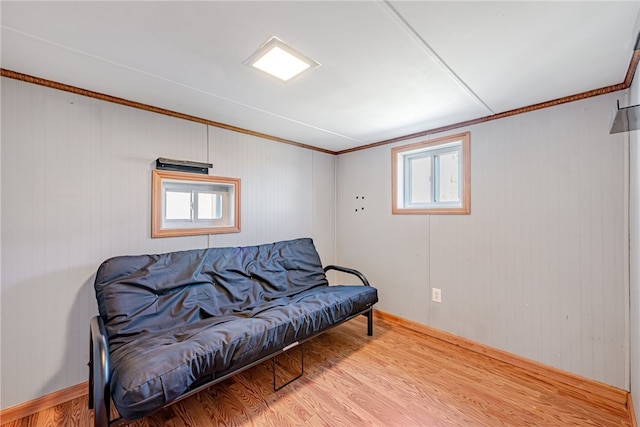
{"points": [[432, 177], [189, 204]]}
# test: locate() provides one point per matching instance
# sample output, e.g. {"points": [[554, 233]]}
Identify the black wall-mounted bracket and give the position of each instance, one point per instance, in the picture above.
{"points": [[626, 119], [183, 166]]}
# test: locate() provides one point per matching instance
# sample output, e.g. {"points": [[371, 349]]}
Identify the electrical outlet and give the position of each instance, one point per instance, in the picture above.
{"points": [[436, 295]]}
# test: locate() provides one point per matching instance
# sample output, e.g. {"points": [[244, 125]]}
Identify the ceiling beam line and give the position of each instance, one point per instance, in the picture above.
{"points": [[432, 54], [546, 104], [628, 80]]}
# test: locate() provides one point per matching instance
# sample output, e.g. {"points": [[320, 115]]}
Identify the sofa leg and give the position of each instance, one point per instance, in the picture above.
{"points": [[99, 393], [273, 367]]}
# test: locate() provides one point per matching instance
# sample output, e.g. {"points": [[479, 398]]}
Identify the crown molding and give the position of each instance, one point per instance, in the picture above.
{"points": [[134, 104], [628, 80]]}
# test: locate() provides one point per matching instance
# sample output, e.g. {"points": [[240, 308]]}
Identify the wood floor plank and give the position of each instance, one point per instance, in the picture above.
{"points": [[399, 377]]}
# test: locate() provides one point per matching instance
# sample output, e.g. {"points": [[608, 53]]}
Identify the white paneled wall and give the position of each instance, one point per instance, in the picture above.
{"points": [[391, 251], [323, 221], [287, 191], [76, 189], [634, 246], [76, 179], [1, 223], [276, 182], [538, 268]]}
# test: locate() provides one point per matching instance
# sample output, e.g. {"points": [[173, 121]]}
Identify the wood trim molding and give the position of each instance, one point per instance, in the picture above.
{"points": [[396, 158], [567, 382], [45, 402], [157, 177], [534, 107], [632, 412], [133, 104], [631, 70]]}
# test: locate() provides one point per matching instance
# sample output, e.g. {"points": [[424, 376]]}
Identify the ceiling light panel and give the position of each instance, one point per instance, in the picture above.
{"points": [[280, 60]]}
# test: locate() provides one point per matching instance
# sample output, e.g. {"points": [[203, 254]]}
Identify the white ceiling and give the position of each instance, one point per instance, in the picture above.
{"points": [[388, 68]]}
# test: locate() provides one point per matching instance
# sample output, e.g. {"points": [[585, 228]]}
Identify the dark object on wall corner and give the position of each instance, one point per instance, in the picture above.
{"points": [[626, 119], [183, 166]]}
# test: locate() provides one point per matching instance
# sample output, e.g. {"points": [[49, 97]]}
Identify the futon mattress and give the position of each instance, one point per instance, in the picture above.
{"points": [[175, 319]]}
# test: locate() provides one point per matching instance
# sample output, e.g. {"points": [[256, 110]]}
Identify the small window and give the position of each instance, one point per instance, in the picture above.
{"points": [[186, 204], [432, 177]]}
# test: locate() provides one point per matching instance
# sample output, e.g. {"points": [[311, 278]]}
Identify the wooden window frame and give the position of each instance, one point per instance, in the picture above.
{"points": [[232, 224], [398, 153]]}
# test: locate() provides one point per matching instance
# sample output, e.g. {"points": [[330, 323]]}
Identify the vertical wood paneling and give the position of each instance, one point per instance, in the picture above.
{"points": [[634, 255], [391, 250], [323, 221], [131, 141], [6, 115], [42, 275], [555, 235], [76, 182], [537, 269], [279, 192], [76, 189]]}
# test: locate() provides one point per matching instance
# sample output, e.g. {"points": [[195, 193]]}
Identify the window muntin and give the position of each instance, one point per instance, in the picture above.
{"points": [[432, 176], [189, 204], [449, 172]]}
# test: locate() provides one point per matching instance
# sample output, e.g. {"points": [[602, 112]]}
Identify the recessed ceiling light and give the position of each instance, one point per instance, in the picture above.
{"points": [[280, 60]]}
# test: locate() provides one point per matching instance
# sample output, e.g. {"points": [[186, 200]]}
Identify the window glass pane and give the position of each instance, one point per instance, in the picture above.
{"points": [[420, 180], [448, 189], [177, 205], [209, 206]]}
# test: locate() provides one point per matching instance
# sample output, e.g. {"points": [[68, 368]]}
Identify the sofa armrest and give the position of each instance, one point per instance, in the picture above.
{"points": [[99, 368], [348, 270], [365, 282]]}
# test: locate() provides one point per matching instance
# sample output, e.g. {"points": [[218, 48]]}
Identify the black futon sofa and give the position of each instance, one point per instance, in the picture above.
{"points": [[174, 323]]}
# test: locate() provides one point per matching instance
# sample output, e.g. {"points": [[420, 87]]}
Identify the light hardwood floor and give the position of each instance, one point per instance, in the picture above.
{"points": [[398, 377]]}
